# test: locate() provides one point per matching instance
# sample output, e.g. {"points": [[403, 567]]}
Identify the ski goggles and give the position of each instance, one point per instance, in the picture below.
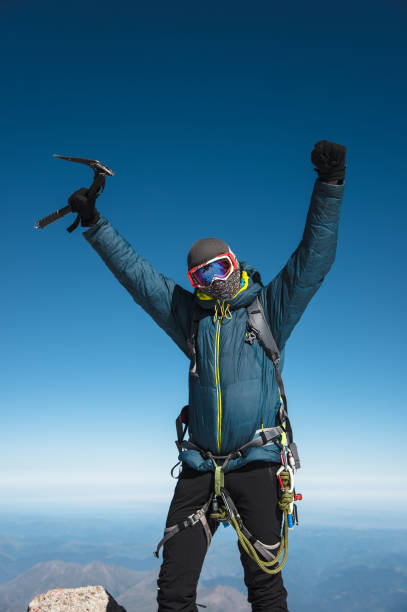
{"points": [[220, 267]]}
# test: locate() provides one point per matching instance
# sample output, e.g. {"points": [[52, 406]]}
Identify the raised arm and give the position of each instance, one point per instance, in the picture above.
{"points": [[289, 293], [166, 302]]}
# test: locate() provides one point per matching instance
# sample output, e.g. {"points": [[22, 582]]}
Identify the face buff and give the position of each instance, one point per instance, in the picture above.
{"points": [[224, 289]]}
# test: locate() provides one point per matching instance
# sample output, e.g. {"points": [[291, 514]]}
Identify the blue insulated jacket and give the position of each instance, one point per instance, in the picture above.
{"points": [[235, 392]]}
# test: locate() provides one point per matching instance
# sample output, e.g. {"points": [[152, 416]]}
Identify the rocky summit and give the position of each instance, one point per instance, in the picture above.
{"points": [[83, 599]]}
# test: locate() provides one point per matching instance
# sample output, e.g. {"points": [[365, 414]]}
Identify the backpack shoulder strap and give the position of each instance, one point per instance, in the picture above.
{"points": [[258, 325], [259, 328], [196, 316]]}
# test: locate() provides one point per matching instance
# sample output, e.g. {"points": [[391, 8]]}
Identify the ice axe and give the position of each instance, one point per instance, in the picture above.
{"points": [[97, 187]]}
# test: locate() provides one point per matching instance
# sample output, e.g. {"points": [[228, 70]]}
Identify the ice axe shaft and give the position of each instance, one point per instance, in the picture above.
{"points": [[100, 170], [61, 212]]}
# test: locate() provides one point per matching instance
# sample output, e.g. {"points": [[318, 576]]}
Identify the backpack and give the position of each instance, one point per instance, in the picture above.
{"points": [[256, 327]]}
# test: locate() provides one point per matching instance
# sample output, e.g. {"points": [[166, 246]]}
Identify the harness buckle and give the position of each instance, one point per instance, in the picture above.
{"points": [[277, 441], [250, 336], [195, 518]]}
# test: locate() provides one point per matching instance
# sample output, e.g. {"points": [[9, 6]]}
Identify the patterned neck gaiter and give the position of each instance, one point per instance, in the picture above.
{"points": [[224, 289]]}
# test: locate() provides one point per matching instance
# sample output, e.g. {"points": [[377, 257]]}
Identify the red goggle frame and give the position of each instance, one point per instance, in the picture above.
{"points": [[229, 256]]}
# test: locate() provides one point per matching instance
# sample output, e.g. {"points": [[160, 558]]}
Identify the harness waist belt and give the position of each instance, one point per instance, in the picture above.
{"points": [[270, 435]]}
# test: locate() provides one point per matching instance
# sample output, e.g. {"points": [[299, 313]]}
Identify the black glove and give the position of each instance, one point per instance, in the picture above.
{"points": [[85, 208], [329, 159]]}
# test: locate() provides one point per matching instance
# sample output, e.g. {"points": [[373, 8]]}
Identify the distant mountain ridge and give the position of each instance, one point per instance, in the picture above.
{"points": [[135, 590], [356, 588]]}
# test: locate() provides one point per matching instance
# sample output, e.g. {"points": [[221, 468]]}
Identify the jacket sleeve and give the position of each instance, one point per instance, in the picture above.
{"points": [[290, 291], [166, 302]]}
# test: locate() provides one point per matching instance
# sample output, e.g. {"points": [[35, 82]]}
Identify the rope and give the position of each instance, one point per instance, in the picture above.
{"points": [[284, 503], [266, 566], [287, 497]]}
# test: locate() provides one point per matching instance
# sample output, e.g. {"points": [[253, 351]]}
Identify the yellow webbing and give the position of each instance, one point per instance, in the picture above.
{"points": [[219, 480]]}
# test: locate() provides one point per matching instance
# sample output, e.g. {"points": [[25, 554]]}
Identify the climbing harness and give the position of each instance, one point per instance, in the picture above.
{"points": [[220, 506]]}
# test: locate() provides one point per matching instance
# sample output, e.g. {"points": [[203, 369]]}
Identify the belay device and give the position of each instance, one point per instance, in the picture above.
{"points": [[271, 558], [97, 187]]}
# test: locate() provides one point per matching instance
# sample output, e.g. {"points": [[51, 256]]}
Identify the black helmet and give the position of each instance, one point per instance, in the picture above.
{"points": [[205, 249]]}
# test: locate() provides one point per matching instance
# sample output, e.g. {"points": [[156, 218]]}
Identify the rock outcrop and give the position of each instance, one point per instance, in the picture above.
{"points": [[83, 599]]}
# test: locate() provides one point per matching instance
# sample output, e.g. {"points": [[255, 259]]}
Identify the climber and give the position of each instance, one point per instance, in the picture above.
{"points": [[235, 395]]}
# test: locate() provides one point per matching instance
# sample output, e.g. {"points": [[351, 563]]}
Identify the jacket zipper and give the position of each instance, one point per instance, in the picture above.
{"points": [[218, 389], [221, 311]]}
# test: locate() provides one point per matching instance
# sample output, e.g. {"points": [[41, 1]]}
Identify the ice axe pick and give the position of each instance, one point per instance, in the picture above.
{"points": [[97, 187]]}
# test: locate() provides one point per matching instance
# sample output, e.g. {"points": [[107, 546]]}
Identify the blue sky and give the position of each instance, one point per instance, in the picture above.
{"points": [[207, 113]]}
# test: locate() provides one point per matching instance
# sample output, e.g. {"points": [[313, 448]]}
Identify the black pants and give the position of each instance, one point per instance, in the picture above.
{"points": [[254, 490]]}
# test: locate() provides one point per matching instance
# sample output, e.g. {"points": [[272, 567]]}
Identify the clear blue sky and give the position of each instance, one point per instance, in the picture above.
{"points": [[208, 113]]}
